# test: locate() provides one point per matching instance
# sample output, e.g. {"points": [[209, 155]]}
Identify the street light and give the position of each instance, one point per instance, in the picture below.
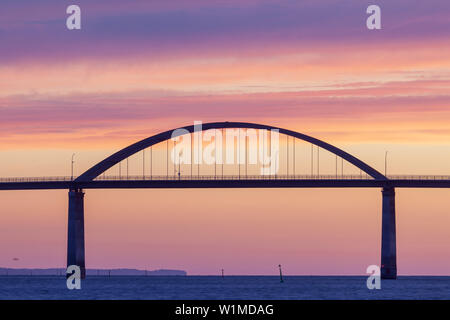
{"points": [[73, 155], [385, 163]]}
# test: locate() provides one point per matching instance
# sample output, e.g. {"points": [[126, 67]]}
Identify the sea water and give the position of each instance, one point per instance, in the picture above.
{"points": [[228, 287]]}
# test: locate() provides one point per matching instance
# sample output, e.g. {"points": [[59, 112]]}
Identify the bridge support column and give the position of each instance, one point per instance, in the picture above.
{"points": [[388, 236], [75, 231]]}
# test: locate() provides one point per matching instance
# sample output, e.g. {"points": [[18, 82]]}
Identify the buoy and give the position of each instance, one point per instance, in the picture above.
{"points": [[281, 274]]}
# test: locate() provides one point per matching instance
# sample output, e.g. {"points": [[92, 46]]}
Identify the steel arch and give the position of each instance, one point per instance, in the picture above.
{"points": [[112, 160]]}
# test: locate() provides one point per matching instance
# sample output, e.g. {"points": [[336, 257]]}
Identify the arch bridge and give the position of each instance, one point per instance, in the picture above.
{"points": [[229, 155]]}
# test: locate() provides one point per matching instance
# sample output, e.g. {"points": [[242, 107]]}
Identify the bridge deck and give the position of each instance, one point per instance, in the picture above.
{"points": [[297, 181]]}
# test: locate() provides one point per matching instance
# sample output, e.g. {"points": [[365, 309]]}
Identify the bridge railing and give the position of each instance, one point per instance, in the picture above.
{"points": [[188, 177], [419, 177], [233, 177], [224, 177], [35, 179], [270, 177]]}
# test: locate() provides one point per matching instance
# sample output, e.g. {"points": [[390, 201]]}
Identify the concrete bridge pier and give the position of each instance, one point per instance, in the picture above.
{"points": [[75, 231], [388, 236]]}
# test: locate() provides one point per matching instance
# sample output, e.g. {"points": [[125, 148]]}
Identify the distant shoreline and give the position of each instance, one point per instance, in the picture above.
{"points": [[91, 272]]}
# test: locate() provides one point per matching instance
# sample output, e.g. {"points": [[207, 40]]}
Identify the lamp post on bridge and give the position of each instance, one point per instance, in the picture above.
{"points": [[385, 163], [71, 175]]}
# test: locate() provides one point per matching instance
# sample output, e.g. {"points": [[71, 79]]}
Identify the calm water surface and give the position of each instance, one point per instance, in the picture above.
{"points": [[231, 287]]}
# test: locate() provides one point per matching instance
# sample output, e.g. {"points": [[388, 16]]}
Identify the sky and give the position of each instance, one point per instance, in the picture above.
{"points": [[137, 68]]}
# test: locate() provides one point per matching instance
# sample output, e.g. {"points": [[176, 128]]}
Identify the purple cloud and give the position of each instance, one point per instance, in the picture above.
{"points": [[31, 114], [155, 28]]}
